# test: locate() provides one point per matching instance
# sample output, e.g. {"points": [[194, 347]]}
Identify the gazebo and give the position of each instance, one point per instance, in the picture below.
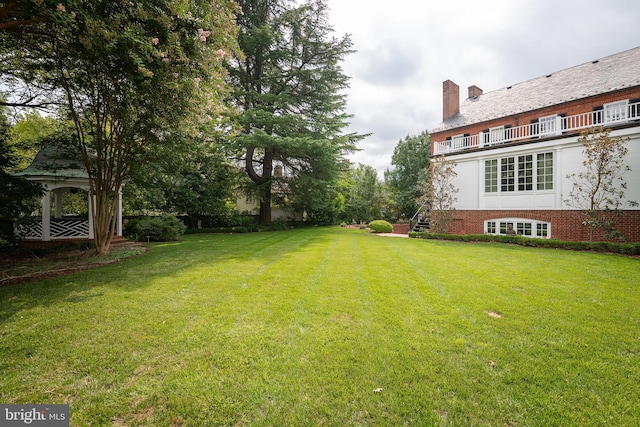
{"points": [[60, 172]]}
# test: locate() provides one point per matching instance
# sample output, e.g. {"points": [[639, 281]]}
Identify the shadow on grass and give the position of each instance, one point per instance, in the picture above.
{"points": [[163, 260]]}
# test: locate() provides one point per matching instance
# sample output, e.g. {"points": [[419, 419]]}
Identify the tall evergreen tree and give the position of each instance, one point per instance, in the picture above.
{"points": [[288, 90]]}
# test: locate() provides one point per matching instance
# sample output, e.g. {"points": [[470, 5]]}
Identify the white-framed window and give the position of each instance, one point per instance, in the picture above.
{"points": [[518, 226], [544, 171], [525, 172], [507, 174], [529, 171], [615, 111], [542, 230], [491, 176], [547, 125], [523, 228]]}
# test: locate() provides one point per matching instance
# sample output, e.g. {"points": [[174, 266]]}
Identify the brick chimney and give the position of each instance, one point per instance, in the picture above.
{"points": [[474, 91], [450, 99]]}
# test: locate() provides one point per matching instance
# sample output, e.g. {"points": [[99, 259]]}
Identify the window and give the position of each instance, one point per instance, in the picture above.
{"points": [[518, 226], [523, 228], [522, 173], [496, 135], [491, 176], [506, 228], [507, 174], [542, 230], [525, 173], [547, 125], [615, 111], [545, 171]]}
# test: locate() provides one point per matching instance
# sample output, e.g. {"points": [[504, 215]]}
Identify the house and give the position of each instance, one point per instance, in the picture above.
{"points": [[515, 147]]}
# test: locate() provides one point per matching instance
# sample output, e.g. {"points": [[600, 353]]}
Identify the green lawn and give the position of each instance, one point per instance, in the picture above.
{"points": [[331, 326]]}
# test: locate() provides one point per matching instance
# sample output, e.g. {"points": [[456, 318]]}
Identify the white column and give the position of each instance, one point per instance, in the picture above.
{"points": [[91, 201], [46, 215], [119, 214], [57, 202]]}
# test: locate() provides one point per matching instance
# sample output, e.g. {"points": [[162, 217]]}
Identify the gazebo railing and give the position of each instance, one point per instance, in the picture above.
{"points": [[60, 228]]}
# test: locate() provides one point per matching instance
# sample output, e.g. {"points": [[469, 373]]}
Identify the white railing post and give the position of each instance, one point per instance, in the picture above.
{"points": [[558, 125], [568, 124], [46, 215]]}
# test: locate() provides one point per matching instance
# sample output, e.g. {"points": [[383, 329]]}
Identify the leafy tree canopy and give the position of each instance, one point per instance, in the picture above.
{"points": [[363, 194], [410, 167], [126, 72], [26, 137], [19, 196]]}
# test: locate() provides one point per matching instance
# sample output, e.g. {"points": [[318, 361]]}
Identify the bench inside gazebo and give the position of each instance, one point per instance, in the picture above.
{"points": [[59, 172]]}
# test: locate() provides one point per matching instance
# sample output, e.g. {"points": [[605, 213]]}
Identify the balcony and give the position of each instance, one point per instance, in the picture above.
{"points": [[611, 115]]}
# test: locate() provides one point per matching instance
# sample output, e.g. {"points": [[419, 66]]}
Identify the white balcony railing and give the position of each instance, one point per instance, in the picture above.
{"points": [[548, 126]]}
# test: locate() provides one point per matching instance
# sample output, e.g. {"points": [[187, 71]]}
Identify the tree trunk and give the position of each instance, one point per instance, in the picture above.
{"points": [[262, 181], [265, 212], [265, 197], [104, 221]]}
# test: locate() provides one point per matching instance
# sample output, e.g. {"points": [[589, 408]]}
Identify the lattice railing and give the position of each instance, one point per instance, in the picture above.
{"points": [[60, 228], [66, 228]]}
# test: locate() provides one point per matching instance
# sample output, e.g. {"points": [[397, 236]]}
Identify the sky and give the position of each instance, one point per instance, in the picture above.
{"points": [[405, 49]]}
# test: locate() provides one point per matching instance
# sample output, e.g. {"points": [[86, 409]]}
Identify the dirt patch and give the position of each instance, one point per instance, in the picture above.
{"points": [[493, 314]]}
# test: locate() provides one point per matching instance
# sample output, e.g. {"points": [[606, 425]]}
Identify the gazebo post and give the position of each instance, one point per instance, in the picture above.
{"points": [[57, 202], [46, 215], [119, 214], [90, 197]]}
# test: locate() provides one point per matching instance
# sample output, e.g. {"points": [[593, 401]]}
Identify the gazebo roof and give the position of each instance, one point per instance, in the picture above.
{"points": [[56, 163]]}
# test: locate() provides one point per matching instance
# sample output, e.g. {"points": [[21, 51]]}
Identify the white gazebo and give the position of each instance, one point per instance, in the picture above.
{"points": [[58, 172]]}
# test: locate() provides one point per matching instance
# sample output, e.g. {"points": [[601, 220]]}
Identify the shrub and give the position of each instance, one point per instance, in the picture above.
{"points": [[617, 248], [155, 229], [380, 226]]}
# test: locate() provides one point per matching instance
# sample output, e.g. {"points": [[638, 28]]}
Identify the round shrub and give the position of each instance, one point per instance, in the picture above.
{"points": [[380, 226]]}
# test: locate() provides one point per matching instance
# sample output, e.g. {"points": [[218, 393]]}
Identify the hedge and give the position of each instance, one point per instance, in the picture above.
{"points": [[612, 247]]}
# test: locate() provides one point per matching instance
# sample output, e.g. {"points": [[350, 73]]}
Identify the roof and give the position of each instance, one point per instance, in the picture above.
{"points": [[56, 163], [608, 74]]}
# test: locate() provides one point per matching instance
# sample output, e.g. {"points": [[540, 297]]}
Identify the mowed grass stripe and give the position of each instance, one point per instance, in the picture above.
{"points": [[329, 326]]}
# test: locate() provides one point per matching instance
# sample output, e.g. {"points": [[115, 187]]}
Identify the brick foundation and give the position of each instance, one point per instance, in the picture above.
{"points": [[565, 225], [400, 228]]}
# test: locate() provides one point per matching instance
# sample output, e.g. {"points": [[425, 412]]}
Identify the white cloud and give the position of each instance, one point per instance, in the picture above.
{"points": [[407, 48]]}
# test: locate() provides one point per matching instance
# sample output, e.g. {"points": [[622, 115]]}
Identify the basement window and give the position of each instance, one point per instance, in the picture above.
{"points": [[518, 226]]}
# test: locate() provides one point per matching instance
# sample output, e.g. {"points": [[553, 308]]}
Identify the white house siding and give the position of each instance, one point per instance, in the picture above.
{"points": [[567, 159]]}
